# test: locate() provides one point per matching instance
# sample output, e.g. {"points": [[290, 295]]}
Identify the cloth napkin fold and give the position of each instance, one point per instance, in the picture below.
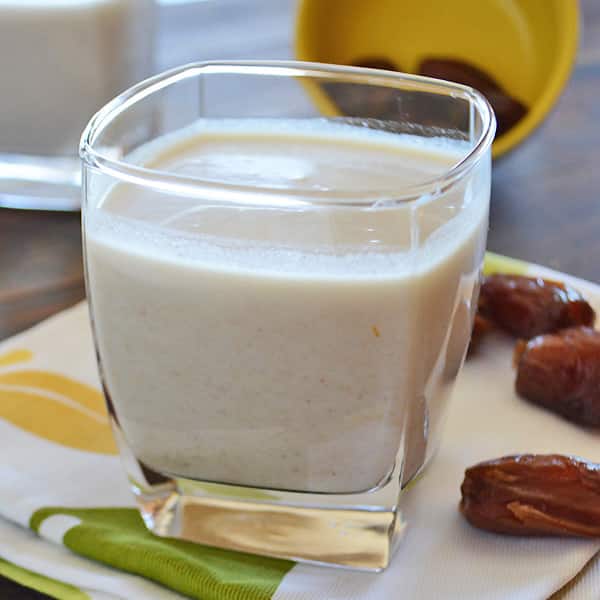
{"points": [[68, 525]]}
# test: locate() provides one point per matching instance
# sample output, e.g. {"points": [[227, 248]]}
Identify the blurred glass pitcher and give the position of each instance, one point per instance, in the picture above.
{"points": [[60, 61]]}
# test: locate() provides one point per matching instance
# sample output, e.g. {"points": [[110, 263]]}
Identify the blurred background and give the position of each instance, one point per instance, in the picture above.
{"points": [[544, 205]]}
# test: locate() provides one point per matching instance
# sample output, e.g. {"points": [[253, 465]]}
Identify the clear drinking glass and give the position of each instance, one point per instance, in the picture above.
{"points": [[277, 357]]}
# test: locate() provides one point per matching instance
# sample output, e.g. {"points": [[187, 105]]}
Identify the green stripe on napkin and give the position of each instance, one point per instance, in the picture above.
{"points": [[118, 537], [34, 581]]}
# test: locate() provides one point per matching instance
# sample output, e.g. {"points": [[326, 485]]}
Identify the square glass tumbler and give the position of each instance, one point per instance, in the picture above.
{"points": [[282, 278]]}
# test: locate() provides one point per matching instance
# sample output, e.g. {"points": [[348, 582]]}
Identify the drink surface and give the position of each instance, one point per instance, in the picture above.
{"points": [[290, 345]]}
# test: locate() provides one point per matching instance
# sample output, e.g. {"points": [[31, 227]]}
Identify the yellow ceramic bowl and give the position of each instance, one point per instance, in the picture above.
{"points": [[528, 46]]}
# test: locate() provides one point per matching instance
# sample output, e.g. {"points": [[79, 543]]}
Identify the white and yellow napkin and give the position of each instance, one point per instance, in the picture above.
{"points": [[68, 526]]}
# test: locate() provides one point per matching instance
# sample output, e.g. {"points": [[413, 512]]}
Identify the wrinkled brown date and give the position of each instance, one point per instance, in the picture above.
{"points": [[376, 62], [527, 306], [561, 372], [460, 72], [508, 110], [481, 326], [365, 101], [533, 495]]}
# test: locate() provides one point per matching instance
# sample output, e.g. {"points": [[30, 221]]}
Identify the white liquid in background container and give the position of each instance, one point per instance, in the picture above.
{"points": [[296, 349], [61, 61]]}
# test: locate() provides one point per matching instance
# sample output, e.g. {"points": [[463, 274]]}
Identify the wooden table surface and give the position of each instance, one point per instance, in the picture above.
{"points": [[545, 194]]}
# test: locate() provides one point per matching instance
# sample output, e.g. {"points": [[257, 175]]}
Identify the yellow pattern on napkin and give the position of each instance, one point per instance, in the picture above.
{"points": [[54, 407]]}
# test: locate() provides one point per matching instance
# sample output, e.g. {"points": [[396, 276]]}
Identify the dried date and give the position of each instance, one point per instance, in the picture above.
{"points": [[459, 71], [481, 326], [533, 495], [355, 100], [509, 111], [376, 62], [528, 306], [561, 372]]}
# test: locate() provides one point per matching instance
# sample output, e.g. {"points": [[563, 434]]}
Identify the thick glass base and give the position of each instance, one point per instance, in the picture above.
{"points": [[357, 531]]}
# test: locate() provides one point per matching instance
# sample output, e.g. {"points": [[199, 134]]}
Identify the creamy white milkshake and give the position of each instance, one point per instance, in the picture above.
{"points": [[286, 345]]}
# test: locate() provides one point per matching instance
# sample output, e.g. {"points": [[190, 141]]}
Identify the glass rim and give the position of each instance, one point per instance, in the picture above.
{"points": [[225, 193]]}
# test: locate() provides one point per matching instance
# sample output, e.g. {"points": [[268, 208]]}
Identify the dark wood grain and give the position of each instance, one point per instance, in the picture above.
{"points": [[40, 266], [545, 194]]}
